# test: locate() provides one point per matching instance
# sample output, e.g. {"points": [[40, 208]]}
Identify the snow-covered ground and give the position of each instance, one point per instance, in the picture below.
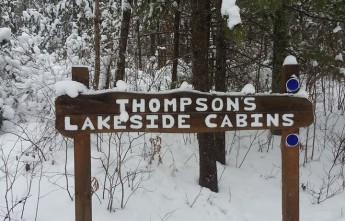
{"points": [[159, 172], [249, 185]]}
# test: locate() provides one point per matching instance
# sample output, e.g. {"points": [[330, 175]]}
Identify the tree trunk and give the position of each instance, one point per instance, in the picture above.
{"points": [[108, 74], [280, 44], [208, 167], [201, 81], [152, 38], [176, 46], [121, 63], [220, 77], [140, 63], [97, 45], [161, 41]]}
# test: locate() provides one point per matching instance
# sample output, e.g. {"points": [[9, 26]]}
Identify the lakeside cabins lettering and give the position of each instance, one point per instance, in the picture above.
{"points": [[180, 112]]}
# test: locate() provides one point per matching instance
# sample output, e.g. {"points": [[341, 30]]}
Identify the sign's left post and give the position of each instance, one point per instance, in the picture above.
{"points": [[82, 161]]}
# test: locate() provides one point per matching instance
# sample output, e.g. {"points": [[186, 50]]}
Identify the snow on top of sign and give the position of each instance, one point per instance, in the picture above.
{"points": [[186, 86], [289, 60], [229, 8], [71, 88], [120, 86], [248, 89], [81, 66], [5, 34], [302, 93]]}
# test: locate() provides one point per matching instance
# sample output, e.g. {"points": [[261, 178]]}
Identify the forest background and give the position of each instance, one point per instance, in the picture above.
{"points": [[156, 46]]}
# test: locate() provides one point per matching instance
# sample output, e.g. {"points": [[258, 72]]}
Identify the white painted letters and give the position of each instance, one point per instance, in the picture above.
{"points": [[168, 121], [182, 121], [138, 105], [88, 123], [201, 104], [170, 103], [257, 120], [232, 104], [241, 120], [152, 119], [288, 120], [68, 125], [167, 113], [208, 120], [136, 122], [249, 103], [154, 105], [226, 122], [103, 122], [184, 101], [217, 104], [117, 123]]}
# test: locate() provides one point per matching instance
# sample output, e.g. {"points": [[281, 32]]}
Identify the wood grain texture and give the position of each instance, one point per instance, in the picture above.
{"points": [[82, 161], [290, 178], [290, 160], [105, 105], [82, 172]]}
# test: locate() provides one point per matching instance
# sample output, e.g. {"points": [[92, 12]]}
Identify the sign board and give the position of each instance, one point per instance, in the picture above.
{"points": [[179, 112], [184, 112]]}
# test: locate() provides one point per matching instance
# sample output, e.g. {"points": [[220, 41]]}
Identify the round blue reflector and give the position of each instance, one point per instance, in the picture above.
{"points": [[292, 85], [292, 140]]}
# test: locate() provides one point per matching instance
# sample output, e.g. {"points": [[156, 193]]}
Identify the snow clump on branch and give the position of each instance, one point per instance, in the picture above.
{"points": [[230, 9], [5, 35]]}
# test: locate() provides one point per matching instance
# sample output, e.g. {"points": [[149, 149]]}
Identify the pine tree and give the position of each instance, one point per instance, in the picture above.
{"points": [[126, 17]]}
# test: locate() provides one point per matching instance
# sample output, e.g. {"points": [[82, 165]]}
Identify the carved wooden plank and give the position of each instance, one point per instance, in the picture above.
{"points": [[179, 112]]}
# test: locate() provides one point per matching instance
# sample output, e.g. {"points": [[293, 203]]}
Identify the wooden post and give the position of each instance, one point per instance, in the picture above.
{"points": [[290, 161], [81, 74], [290, 178], [82, 161]]}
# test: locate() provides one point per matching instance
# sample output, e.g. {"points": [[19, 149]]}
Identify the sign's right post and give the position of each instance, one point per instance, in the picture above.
{"points": [[290, 152]]}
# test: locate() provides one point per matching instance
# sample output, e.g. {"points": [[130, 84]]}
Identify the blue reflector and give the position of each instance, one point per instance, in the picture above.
{"points": [[292, 140], [292, 85]]}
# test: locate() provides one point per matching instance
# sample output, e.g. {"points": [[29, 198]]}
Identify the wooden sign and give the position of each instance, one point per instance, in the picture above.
{"points": [[184, 112], [178, 112]]}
